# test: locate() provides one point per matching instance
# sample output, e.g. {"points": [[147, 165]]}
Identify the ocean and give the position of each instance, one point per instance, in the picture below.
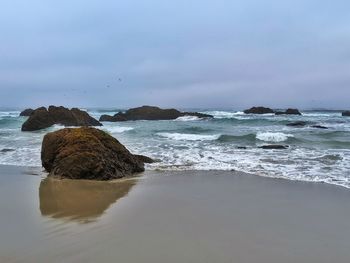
{"points": [[229, 141]]}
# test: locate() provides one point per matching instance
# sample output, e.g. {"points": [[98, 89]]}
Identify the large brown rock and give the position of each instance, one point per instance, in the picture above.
{"points": [[87, 153], [26, 112], [43, 118], [346, 113], [258, 110], [150, 113]]}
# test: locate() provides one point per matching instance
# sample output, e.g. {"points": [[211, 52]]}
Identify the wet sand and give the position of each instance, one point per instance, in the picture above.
{"points": [[171, 217]]}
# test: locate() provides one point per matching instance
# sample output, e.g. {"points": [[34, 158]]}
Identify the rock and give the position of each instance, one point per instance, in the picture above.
{"points": [[318, 127], [197, 114], [150, 113], [42, 118], [297, 124], [274, 146], [144, 159], [39, 119], [6, 150], [26, 112], [241, 147], [258, 110], [87, 153], [106, 117], [289, 112], [346, 113]]}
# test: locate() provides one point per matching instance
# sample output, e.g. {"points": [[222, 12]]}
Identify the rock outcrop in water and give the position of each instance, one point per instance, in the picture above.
{"points": [[274, 147], [26, 112], [258, 110], [150, 113], [346, 113], [87, 153], [289, 112], [43, 118], [319, 127], [297, 124], [301, 124]]}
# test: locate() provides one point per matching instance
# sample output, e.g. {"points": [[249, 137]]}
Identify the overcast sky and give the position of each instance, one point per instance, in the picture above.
{"points": [[183, 53]]}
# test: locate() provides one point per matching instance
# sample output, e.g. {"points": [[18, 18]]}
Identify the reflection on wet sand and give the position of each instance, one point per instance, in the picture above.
{"points": [[80, 200]]}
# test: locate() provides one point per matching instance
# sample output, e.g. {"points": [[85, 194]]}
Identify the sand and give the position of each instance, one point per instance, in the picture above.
{"points": [[192, 216]]}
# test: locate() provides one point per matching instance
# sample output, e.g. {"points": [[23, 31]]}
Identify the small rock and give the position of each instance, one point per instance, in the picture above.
{"points": [[5, 150], [297, 124], [274, 146], [319, 127], [346, 113]]}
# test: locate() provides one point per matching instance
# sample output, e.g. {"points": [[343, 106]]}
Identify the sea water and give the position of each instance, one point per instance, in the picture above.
{"points": [[229, 141]]}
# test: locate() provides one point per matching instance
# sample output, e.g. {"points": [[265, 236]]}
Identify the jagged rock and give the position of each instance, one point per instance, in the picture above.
{"points": [[150, 113], [258, 110], [42, 118], [289, 112], [87, 153], [274, 147], [26, 112], [346, 113], [297, 124]]}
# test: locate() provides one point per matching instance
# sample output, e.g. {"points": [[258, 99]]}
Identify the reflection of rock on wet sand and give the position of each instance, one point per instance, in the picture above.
{"points": [[78, 199]]}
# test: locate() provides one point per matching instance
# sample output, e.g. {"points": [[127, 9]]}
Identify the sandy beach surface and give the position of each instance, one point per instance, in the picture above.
{"points": [[192, 216]]}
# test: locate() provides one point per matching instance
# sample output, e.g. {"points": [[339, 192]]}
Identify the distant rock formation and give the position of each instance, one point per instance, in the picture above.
{"points": [[319, 127], [300, 124], [346, 113], [150, 113], [289, 112], [43, 118], [274, 147], [26, 112], [258, 110], [297, 124], [88, 153]]}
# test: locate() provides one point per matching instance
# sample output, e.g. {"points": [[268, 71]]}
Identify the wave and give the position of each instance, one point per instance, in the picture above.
{"points": [[224, 114], [248, 138], [188, 118], [188, 137], [273, 136], [116, 129]]}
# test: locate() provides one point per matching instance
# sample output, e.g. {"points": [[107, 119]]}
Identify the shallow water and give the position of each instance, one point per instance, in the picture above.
{"points": [[190, 143]]}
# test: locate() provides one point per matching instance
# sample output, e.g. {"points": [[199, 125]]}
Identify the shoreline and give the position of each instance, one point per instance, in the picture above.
{"points": [[39, 170], [175, 216]]}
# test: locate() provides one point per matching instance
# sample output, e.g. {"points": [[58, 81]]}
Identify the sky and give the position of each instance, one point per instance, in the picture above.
{"points": [[183, 53]]}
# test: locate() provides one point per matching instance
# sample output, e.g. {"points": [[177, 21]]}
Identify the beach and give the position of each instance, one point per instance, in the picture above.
{"points": [[171, 216]]}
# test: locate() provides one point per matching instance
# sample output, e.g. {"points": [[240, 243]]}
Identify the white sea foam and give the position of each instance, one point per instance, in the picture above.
{"points": [[273, 136], [116, 129], [224, 114], [188, 118], [188, 137]]}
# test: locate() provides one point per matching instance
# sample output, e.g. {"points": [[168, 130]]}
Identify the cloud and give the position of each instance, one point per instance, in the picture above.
{"points": [[185, 53]]}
